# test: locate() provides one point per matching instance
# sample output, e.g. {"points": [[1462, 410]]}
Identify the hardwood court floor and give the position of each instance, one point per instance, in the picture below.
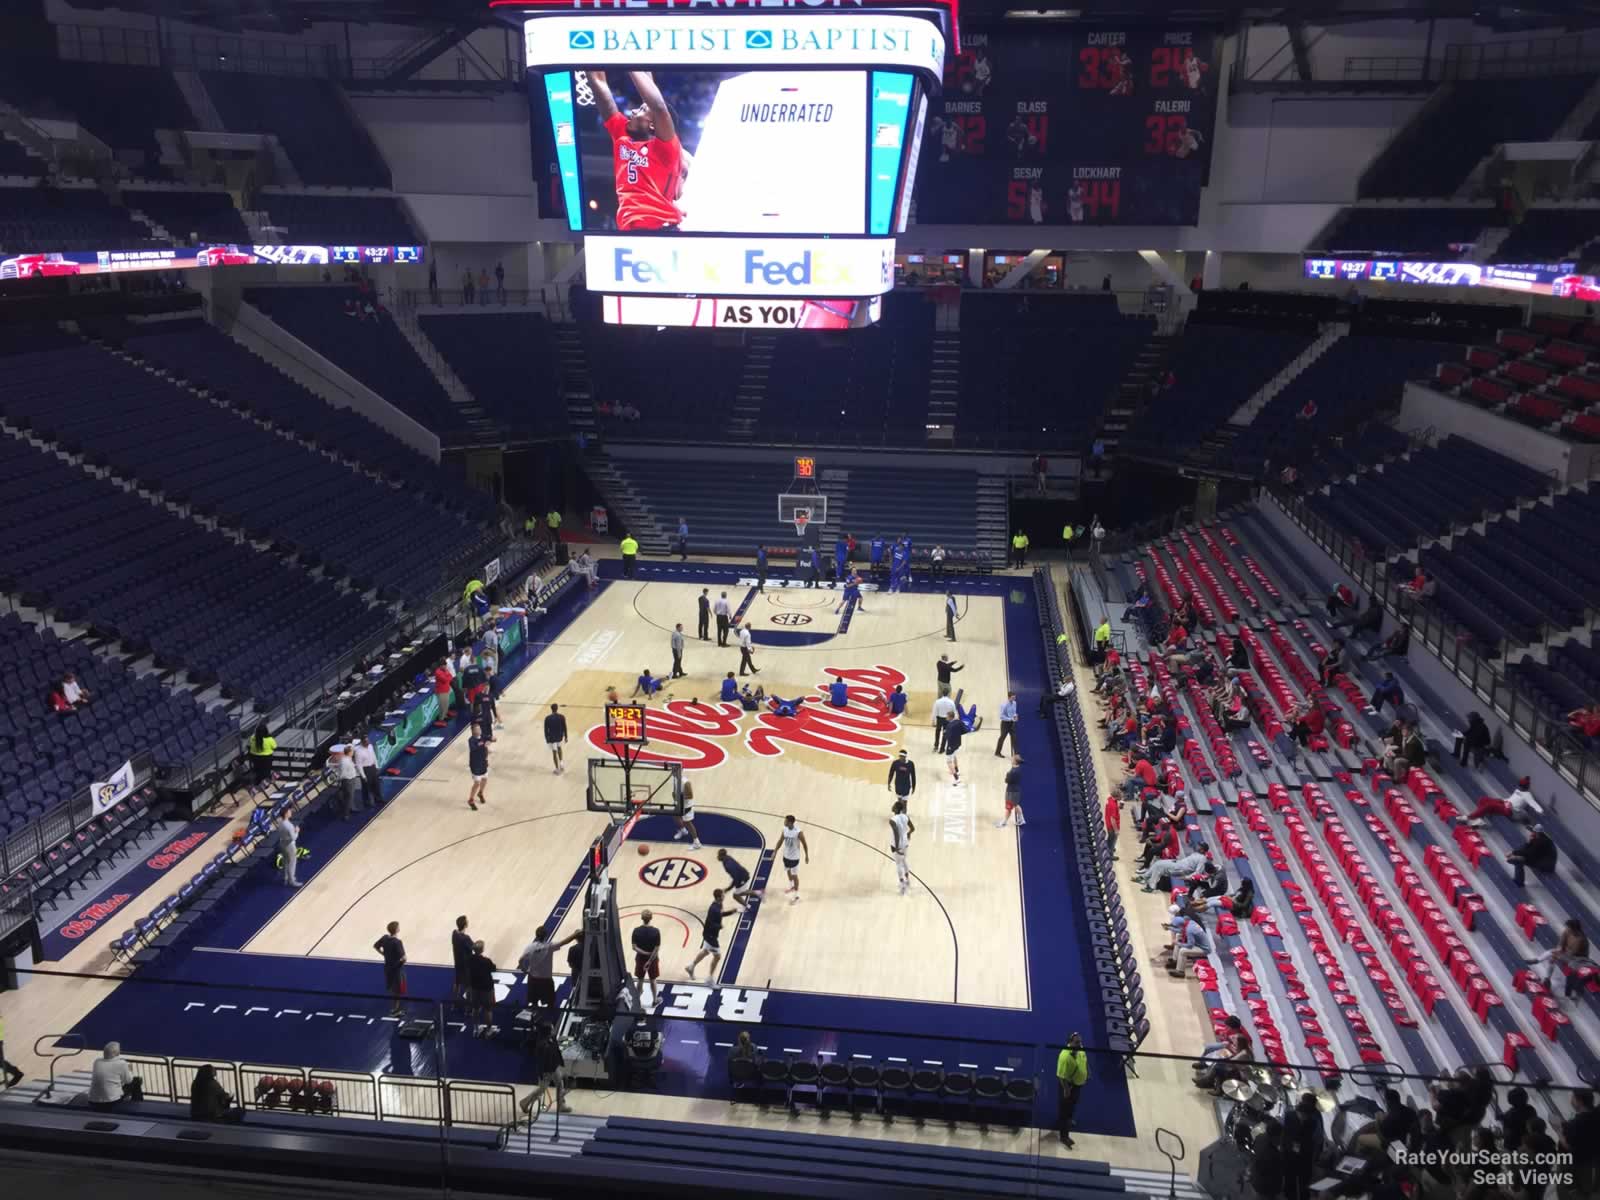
{"points": [[959, 935]]}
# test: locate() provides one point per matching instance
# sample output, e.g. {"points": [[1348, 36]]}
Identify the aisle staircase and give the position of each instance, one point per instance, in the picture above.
{"points": [[752, 393], [1149, 365], [1267, 392], [480, 429], [626, 508], [994, 516], [577, 388], [944, 380]]}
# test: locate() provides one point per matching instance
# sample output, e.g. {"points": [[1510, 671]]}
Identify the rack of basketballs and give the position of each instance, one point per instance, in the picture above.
{"points": [[291, 1093]]}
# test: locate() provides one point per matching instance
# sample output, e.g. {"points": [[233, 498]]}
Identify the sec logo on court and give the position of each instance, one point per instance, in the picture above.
{"points": [[790, 618], [672, 873]]}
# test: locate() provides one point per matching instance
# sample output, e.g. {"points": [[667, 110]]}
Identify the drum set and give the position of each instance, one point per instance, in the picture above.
{"points": [[1263, 1093]]}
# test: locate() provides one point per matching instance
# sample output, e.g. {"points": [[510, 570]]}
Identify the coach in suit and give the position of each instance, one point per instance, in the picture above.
{"points": [[705, 614]]}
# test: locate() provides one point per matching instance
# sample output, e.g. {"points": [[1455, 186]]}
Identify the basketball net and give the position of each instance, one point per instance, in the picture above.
{"points": [[802, 518], [582, 93], [620, 837]]}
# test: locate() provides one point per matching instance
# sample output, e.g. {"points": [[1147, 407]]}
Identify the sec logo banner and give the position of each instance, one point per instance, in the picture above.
{"points": [[671, 874], [791, 618]]}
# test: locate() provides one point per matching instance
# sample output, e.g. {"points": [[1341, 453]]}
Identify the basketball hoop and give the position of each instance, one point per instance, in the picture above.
{"points": [[802, 518]]}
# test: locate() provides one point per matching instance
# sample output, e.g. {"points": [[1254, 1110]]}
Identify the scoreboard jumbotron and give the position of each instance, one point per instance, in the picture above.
{"points": [[736, 165]]}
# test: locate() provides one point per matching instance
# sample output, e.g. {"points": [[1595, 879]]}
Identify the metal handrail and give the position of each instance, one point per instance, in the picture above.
{"points": [[40, 1052]]}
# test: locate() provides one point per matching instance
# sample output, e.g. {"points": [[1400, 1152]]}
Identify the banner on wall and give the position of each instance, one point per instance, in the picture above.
{"points": [[1560, 280], [491, 570], [106, 794], [45, 265]]}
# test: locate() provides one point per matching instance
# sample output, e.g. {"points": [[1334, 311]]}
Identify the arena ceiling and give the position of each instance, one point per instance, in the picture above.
{"points": [[291, 15]]}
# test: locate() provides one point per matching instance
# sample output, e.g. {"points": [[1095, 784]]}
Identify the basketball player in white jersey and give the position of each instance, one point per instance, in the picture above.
{"points": [[1035, 204], [900, 831], [1191, 71], [794, 841], [1075, 202]]}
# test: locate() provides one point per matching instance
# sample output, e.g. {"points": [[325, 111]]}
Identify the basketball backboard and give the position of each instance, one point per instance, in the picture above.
{"points": [[803, 512], [635, 787]]}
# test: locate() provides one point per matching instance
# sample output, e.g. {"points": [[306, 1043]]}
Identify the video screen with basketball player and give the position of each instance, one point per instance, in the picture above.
{"points": [[722, 151]]}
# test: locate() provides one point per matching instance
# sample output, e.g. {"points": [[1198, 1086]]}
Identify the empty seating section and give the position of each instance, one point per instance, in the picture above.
{"points": [[732, 506], [53, 219], [1215, 369], [372, 349], [1546, 375], [94, 554], [47, 757], [509, 362], [204, 456], [869, 383], [1550, 235], [99, 97], [1433, 155], [682, 381], [1356, 378], [1428, 233], [1042, 367], [210, 359], [338, 220], [15, 160], [190, 217], [1389, 920], [312, 122]]}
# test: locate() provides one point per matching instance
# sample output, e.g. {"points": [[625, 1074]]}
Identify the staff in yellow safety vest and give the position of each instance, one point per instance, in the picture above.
{"points": [[630, 551], [1072, 1072], [1019, 549]]}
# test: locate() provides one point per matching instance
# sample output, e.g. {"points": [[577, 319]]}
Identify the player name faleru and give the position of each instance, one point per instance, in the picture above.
{"points": [[786, 114]]}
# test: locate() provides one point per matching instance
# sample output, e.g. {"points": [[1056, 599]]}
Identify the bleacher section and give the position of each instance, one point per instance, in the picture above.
{"points": [[201, 354], [1038, 370], [47, 758], [97, 95], [206, 458], [508, 361], [53, 219], [314, 124], [1386, 919], [190, 217], [682, 381], [94, 554], [338, 220], [1550, 235], [15, 160], [372, 349], [1438, 234], [1546, 376], [1215, 369], [1433, 155]]}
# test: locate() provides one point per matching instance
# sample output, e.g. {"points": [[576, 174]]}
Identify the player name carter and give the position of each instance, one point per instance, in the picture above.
{"points": [[1108, 39], [786, 114]]}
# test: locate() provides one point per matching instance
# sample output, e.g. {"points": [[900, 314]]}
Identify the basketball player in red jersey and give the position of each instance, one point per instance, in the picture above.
{"points": [[646, 153]]}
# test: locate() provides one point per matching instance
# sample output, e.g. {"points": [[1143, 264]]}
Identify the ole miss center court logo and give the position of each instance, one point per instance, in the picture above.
{"points": [[671, 874], [692, 734]]}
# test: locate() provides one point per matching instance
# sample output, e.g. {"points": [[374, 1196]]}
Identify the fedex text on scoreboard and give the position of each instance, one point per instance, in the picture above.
{"points": [[735, 153]]}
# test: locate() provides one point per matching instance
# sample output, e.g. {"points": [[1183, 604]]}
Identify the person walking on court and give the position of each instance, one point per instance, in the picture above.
{"points": [[704, 626], [950, 616], [630, 553], [1008, 724], [537, 963], [345, 767], [478, 765], [794, 841], [903, 777], [746, 650], [944, 712], [954, 731], [677, 652], [685, 820], [555, 735], [646, 949], [1013, 794], [1072, 1072], [943, 670], [461, 957], [288, 849], [761, 569], [724, 614], [366, 760], [683, 539], [394, 965], [900, 830], [739, 889], [711, 935], [480, 991]]}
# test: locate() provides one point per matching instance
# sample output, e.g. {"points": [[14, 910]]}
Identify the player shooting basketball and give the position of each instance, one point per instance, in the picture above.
{"points": [[648, 158]]}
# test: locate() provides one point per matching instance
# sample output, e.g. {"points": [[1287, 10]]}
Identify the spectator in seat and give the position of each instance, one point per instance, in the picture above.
{"points": [[1422, 587], [1340, 599], [1190, 940], [1141, 777], [113, 1081], [1225, 1059], [1309, 720], [1520, 806], [1572, 949], [1408, 751], [1332, 663], [1166, 868], [208, 1101], [74, 692], [1474, 742], [57, 701], [1239, 656], [1396, 645], [1388, 692], [1368, 620], [1538, 852], [1161, 844], [1585, 720], [1308, 411]]}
